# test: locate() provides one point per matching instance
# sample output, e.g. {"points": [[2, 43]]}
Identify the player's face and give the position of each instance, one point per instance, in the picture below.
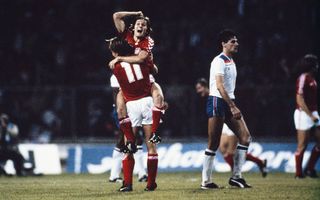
{"points": [[232, 45], [201, 90], [140, 28]]}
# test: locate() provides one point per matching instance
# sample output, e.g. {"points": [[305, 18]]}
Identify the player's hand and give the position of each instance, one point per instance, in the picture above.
{"points": [[236, 113], [314, 119], [113, 62], [139, 14], [155, 139]]}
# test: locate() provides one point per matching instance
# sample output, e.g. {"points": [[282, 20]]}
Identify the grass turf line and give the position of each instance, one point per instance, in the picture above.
{"points": [[181, 185]]}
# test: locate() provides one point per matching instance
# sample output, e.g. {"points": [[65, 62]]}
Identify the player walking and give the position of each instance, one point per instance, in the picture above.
{"points": [[306, 116], [135, 85], [138, 36], [221, 108], [229, 141]]}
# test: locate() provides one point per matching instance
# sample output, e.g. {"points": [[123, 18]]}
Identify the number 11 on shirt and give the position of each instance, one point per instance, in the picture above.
{"points": [[133, 71]]}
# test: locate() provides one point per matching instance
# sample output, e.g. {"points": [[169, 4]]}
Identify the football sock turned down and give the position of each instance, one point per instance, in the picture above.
{"points": [[152, 169], [125, 127], [229, 160], [254, 159], [128, 165], [207, 166], [117, 157], [238, 160], [315, 153], [299, 158], [156, 117], [139, 162]]}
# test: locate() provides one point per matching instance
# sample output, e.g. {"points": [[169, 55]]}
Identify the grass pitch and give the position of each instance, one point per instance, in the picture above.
{"points": [[182, 185]]}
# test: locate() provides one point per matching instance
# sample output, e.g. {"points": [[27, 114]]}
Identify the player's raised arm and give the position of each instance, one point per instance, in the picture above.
{"points": [[119, 16], [220, 86]]}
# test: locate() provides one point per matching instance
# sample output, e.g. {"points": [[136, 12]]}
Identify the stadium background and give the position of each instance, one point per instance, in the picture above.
{"points": [[54, 82]]}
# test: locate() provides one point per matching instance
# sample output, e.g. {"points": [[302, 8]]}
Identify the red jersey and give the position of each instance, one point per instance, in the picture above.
{"points": [[145, 44], [306, 86], [133, 79]]}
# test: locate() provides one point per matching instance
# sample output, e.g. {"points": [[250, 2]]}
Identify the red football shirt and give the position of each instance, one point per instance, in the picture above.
{"points": [[306, 86], [133, 79], [145, 44]]}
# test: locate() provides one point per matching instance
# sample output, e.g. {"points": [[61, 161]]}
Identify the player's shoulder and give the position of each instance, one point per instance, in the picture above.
{"points": [[147, 43], [219, 59]]}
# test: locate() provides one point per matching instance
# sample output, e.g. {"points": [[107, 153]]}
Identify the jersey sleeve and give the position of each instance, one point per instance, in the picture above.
{"points": [[147, 44], [217, 67], [114, 81], [301, 82]]}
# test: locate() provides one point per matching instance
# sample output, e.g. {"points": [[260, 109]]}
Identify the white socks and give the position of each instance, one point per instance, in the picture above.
{"points": [[207, 166], [117, 157], [139, 167], [239, 159]]}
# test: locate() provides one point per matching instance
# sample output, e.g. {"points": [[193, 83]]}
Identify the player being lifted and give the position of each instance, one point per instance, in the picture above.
{"points": [[138, 36], [229, 140], [306, 116], [117, 154], [221, 108], [135, 85]]}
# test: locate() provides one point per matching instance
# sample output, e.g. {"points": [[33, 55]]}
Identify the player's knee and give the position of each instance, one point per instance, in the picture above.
{"points": [[121, 112], [301, 148], [158, 100], [245, 139]]}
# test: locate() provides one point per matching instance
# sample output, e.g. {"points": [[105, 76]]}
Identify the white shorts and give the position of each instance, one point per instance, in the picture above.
{"points": [[227, 131], [303, 122], [140, 111]]}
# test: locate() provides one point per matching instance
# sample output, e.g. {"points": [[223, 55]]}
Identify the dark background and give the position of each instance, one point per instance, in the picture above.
{"points": [[54, 82]]}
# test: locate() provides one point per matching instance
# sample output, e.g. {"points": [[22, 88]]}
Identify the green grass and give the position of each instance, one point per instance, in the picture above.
{"points": [[182, 185]]}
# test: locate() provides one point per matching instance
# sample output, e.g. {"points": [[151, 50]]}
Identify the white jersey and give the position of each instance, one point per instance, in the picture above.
{"points": [[224, 66], [115, 84], [114, 81]]}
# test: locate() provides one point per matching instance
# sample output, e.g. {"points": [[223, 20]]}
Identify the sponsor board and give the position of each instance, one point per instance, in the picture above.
{"points": [[44, 158], [184, 157]]}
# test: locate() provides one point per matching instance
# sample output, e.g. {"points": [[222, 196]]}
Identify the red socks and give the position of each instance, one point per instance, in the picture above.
{"points": [[125, 127], [152, 169], [254, 159], [315, 153], [229, 160], [299, 158], [156, 117], [128, 165]]}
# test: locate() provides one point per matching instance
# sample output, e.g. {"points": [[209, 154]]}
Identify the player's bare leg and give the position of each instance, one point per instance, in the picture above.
{"points": [[152, 163], [315, 153], [157, 111], [215, 125], [239, 127], [302, 139]]}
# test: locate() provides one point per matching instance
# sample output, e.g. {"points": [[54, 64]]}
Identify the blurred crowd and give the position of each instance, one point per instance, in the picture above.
{"points": [[51, 48]]}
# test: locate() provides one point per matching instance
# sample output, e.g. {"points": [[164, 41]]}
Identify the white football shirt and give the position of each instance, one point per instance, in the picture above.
{"points": [[224, 66]]}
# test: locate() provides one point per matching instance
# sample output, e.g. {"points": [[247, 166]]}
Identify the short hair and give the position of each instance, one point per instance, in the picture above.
{"points": [[309, 62], [147, 19], [203, 82], [225, 35], [120, 46]]}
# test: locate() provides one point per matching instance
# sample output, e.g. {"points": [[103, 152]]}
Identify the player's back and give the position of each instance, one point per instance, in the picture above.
{"points": [[133, 79]]}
